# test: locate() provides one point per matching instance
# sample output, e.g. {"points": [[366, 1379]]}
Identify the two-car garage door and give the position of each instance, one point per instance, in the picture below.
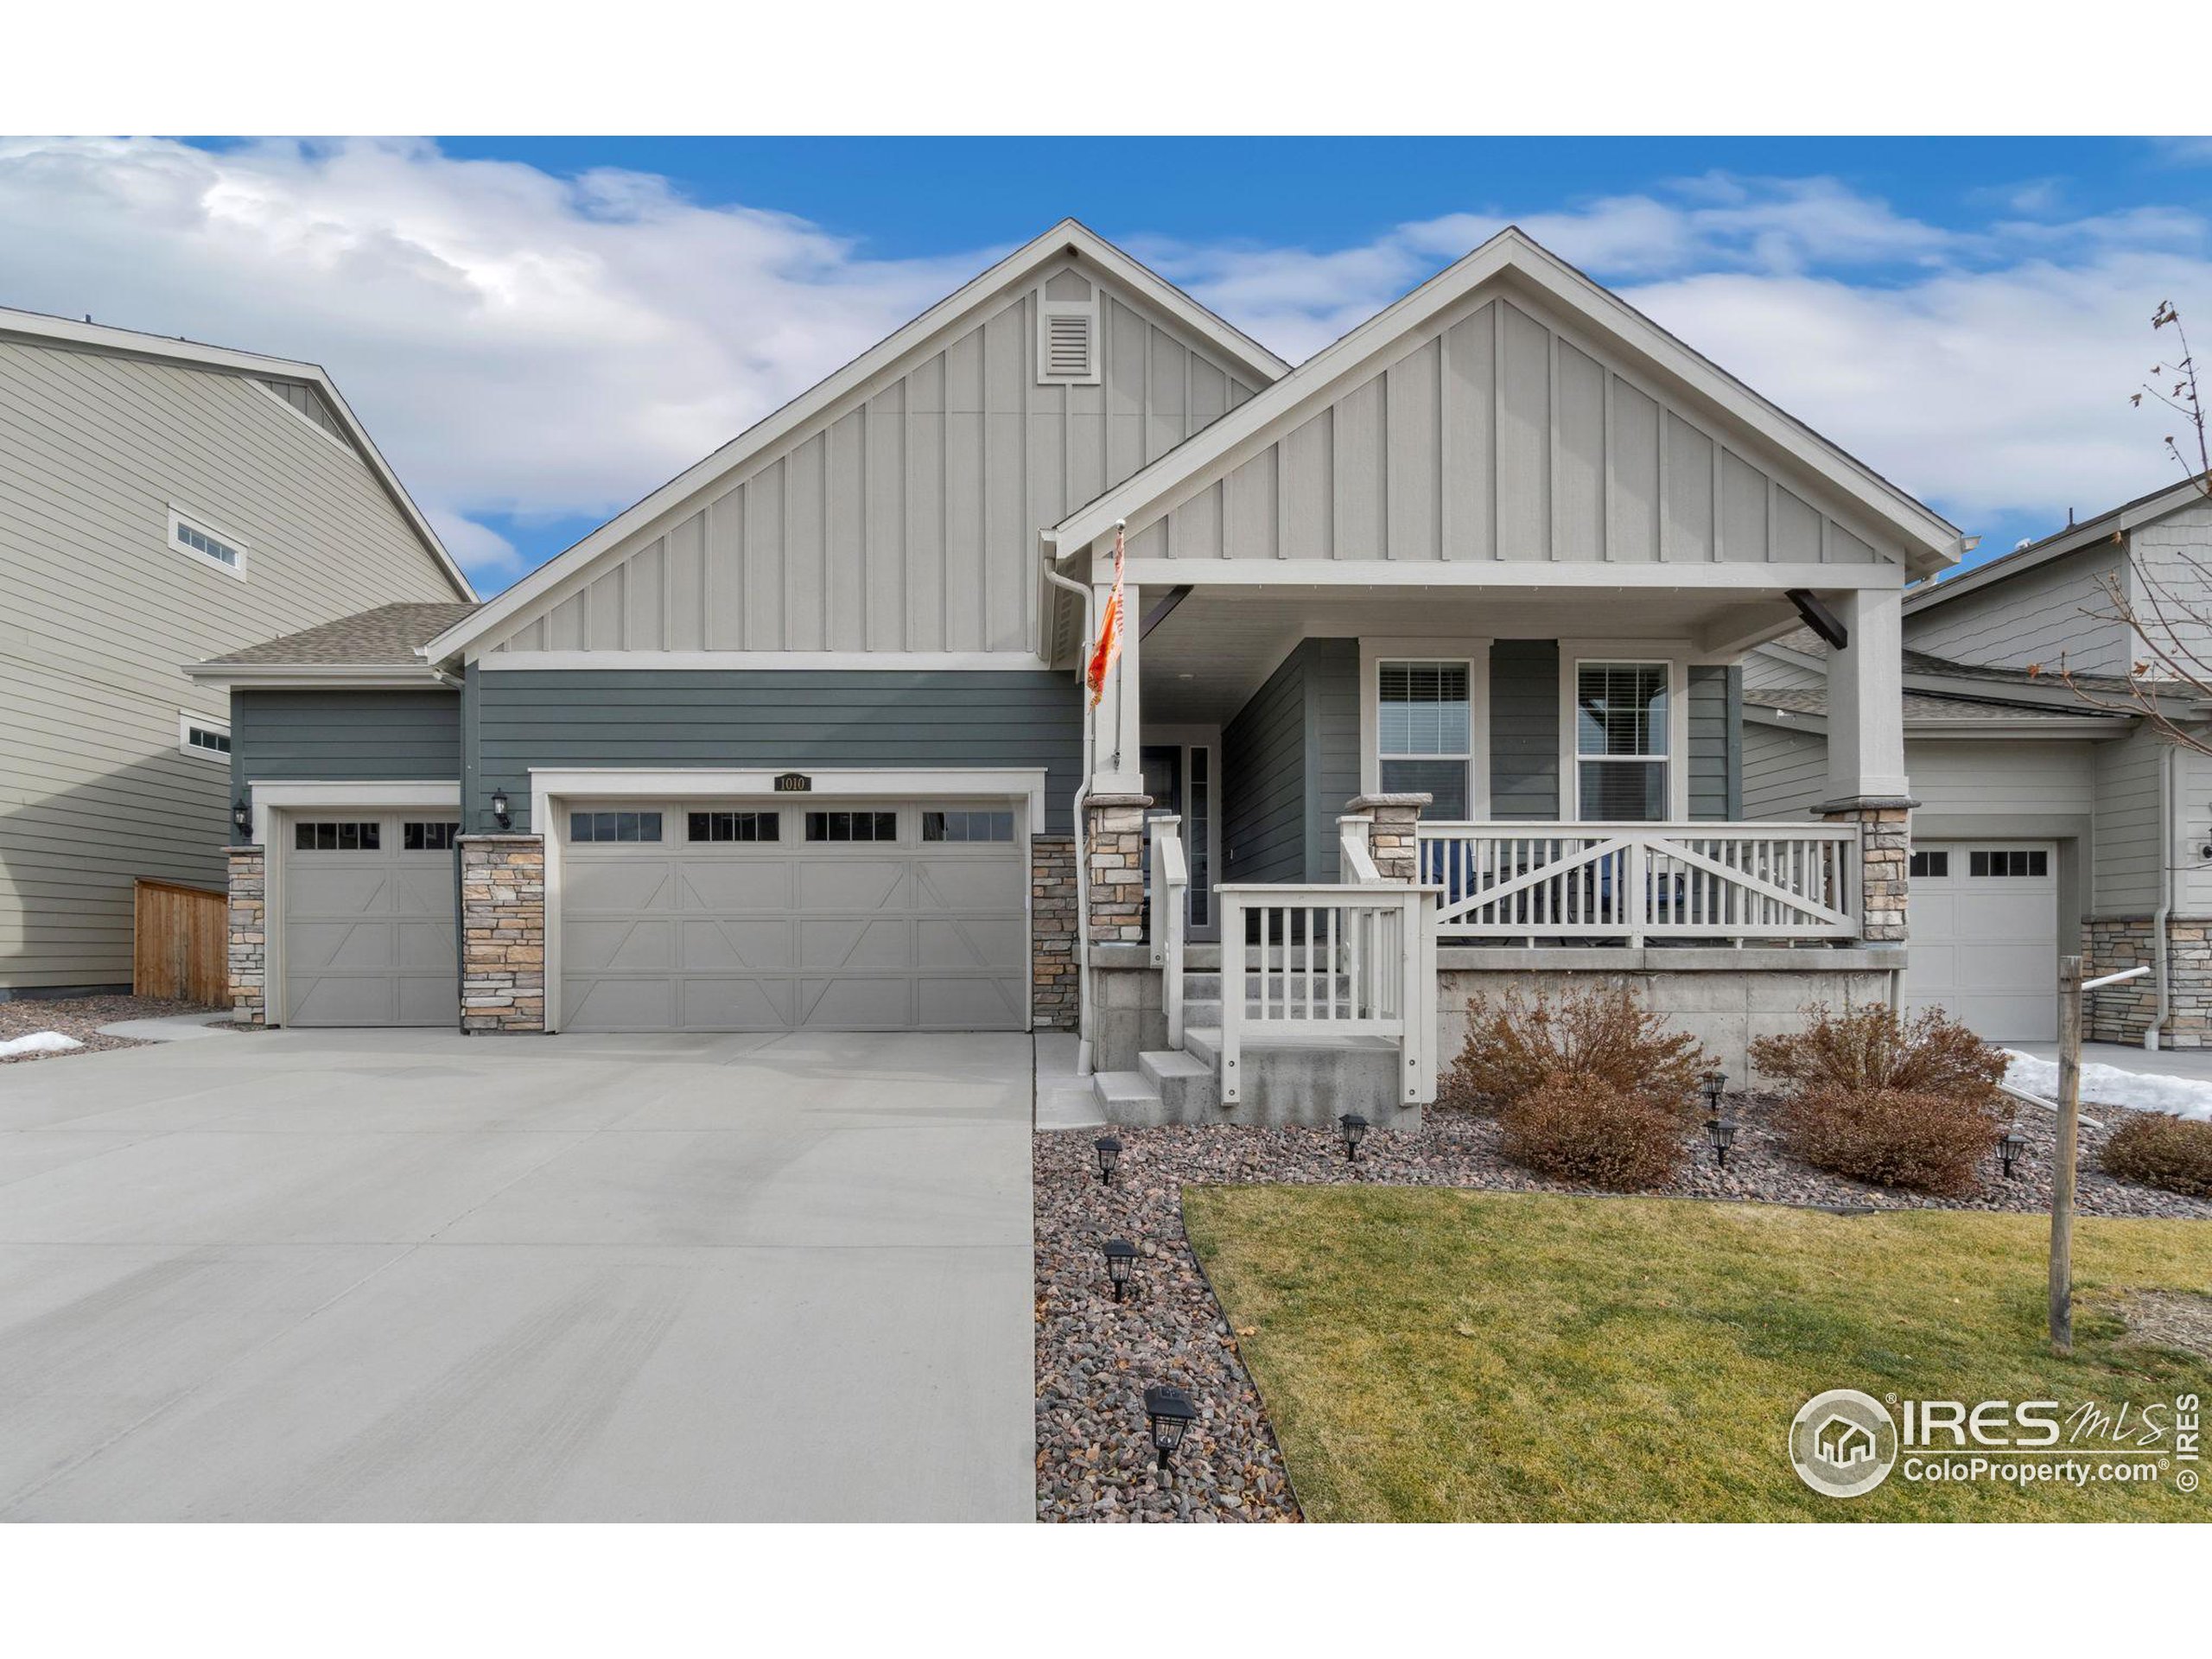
{"points": [[792, 916], [1984, 936]]}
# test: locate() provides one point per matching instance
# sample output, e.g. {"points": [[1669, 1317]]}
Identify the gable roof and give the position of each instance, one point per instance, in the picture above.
{"points": [[1935, 541], [2105, 526], [100, 337], [1069, 235]]}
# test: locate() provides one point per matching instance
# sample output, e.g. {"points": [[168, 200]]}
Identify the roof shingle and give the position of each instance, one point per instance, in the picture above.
{"points": [[386, 636]]}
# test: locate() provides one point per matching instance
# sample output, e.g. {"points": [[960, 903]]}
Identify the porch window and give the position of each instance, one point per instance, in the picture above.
{"points": [[1620, 741], [1425, 733]]}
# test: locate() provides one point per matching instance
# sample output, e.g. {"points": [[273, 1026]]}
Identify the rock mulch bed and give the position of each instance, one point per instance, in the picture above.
{"points": [[1096, 1358], [81, 1017]]}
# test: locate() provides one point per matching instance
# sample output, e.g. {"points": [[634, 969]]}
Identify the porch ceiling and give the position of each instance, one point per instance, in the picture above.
{"points": [[1203, 663]]}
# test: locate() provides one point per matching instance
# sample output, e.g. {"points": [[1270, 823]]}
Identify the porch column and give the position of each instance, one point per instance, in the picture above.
{"points": [[1866, 781], [1114, 885], [1393, 839], [1121, 713]]}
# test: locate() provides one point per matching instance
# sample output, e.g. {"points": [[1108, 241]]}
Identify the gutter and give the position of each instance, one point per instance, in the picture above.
{"points": [[292, 675], [1083, 1047], [2159, 953]]}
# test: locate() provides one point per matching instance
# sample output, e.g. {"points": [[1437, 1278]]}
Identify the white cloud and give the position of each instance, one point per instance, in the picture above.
{"points": [[526, 345], [517, 343]]}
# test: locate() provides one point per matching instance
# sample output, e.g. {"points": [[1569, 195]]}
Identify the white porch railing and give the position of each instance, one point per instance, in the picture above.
{"points": [[1329, 961], [1166, 923], [1735, 882]]}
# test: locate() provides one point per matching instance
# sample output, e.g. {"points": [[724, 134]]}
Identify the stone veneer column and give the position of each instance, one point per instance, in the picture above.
{"points": [[2122, 1013], [1054, 976], [1884, 856], [1113, 843], [249, 935], [502, 933], [1393, 839]]}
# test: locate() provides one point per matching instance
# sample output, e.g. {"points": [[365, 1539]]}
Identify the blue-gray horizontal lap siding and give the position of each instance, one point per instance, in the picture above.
{"points": [[777, 719], [1524, 730], [344, 736], [1290, 761], [1290, 758], [1716, 754]]}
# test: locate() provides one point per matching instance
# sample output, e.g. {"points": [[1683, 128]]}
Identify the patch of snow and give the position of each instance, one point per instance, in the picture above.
{"points": [[2107, 1085], [39, 1042]]}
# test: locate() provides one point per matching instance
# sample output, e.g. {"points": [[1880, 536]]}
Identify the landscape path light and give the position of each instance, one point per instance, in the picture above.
{"points": [[1170, 1412], [2009, 1150], [1355, 1131], [1108, 1149], [1121, 1257]]}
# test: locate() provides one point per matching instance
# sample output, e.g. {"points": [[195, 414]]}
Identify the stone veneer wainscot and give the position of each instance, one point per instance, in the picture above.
{"points": [[249, 935], [502, 933]]}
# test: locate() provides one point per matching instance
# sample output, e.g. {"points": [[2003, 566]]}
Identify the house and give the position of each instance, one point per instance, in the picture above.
{"points": [[2050, 819], [798, 741], [1845, 1443], [161, 502]]}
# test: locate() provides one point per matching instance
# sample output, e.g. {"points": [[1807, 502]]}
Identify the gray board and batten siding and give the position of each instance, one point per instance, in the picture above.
{"points": [[906, 518], [1498, 435], [893, 719]]}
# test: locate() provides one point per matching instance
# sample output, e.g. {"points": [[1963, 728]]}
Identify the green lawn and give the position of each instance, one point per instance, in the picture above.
{"points": [[1433, 1355]]}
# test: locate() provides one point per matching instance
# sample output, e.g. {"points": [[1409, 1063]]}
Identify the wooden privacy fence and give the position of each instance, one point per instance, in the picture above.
{"points": [[180, 942]]}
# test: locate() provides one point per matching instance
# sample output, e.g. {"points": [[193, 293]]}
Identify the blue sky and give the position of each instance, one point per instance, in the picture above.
{"points": [[538, 330]]}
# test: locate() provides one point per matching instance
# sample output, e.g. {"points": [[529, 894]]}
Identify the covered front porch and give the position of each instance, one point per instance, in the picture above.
{"points": [[1361, 804]]}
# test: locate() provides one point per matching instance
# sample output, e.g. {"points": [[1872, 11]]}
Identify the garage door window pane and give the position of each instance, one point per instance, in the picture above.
{"points": [[614, 826], [337, 837], [852, 826], [967, 826], [2008, 862], [416, 837], [735, 826], [1932, 866]]}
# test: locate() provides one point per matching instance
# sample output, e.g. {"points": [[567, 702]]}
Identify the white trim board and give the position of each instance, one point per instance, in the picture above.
{"points": [[358, 676], [1143, 498], [963, 661], [1010, 274], [1536, 576]]}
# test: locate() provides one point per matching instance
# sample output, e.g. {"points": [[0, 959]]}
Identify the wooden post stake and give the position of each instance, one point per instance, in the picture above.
{"points": [[2063, 1171]]}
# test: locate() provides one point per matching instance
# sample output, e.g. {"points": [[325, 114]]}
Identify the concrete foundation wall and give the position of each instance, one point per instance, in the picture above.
{"points": [[1724, 1005]]}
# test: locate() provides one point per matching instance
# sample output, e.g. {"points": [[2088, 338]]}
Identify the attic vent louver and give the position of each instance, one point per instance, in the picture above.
{"points": [[1067, 342]]}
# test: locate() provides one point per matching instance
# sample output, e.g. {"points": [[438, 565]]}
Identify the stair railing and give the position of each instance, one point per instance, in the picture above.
{"points": [[1302, 962]]}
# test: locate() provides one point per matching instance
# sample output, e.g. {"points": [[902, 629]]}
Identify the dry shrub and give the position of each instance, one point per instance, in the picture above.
{"points": [[1599, 1034], [1870, 1047], [2171, 1152], [1588, 1131], [1930, 1141]]}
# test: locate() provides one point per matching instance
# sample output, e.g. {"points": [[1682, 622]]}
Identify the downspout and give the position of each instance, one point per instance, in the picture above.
{"points": [[1083, 1047], [2167, 863]]}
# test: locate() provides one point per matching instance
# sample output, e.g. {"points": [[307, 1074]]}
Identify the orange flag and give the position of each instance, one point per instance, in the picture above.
{"points": [[1109, 647]]}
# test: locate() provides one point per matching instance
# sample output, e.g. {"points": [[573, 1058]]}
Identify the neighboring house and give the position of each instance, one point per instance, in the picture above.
{"points": [[161, 502], [798, 740], [2045, 824]]}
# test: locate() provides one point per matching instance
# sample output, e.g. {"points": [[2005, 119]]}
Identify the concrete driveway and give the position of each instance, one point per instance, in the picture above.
{"points": [[416, 1276]]}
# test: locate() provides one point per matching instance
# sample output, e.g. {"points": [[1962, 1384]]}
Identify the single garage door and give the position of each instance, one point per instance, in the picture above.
{"points": [[368, 904], [736, 916], [1983, 935]]}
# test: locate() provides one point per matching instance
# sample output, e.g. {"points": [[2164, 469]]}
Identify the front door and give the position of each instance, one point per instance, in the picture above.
{"points": [[1181, 779]]}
